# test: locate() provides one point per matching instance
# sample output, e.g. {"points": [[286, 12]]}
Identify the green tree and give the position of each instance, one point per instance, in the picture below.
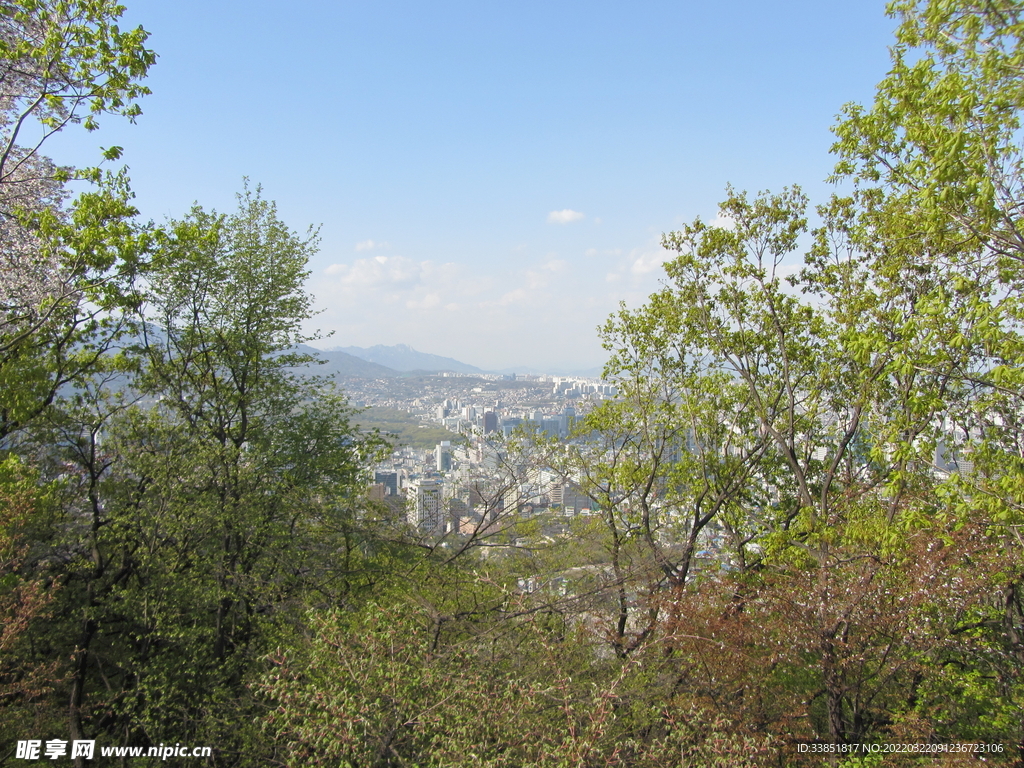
{"points": [[389, 685], [212, 492], [889, 401], [776, 420], [937, 168], [62, 62], [24, 597], [942, 135]]}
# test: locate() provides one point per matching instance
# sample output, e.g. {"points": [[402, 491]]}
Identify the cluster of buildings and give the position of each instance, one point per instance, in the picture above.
{"points": [[475, 486], [470, 485], [471, 488]]}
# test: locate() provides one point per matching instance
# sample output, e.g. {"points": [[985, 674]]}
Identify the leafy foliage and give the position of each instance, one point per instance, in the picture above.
{"points": [[804, 506]]}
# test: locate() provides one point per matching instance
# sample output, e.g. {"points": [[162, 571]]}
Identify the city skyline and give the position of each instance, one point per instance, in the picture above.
{"points": [[491, 182]]}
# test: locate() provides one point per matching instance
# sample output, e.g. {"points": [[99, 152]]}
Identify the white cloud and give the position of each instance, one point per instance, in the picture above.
{"points": [[492, 313], [648, 261], [430, 301], [378, 271], [491, 319], [379, 284], [565, 216], [369, 245], [535, 281], [722, 221], [513, 297]]}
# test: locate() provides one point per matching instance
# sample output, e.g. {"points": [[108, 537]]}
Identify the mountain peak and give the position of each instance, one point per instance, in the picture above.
{"points": [[402, 357]]}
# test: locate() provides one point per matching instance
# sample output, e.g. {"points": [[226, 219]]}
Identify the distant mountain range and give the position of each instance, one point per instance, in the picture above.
{"points": [[336, 363], [381, 361], [404, 358]]}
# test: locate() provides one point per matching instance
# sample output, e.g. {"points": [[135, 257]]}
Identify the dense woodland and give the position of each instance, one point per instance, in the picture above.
{"points": [[188, 553]]}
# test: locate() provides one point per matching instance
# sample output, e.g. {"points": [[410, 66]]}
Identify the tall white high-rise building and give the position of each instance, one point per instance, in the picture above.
{"points": [[443, 456], [426, 505]]}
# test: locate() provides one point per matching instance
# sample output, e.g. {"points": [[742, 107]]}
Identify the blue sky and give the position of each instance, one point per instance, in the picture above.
{"points": [[433, 141]]}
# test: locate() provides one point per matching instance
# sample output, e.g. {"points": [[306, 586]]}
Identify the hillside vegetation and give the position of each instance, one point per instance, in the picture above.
{"points": [[400, 428], [804, 509]]}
